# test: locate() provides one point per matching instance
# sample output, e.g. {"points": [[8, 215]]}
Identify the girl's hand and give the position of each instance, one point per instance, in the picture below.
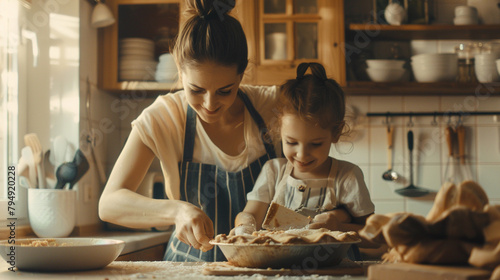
{"points": [[194, 227], [243, 230], [331, 220]]}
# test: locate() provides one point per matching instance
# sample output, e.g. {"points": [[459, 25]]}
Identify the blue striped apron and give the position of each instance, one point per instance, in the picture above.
{"points": [[219, 193]]}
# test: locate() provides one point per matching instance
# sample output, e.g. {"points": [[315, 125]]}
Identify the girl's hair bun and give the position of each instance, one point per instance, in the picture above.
{"points": [[210, 9]]}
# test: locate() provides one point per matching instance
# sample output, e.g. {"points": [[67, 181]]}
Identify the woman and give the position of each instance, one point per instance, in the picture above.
{"points": [[208, 138]]}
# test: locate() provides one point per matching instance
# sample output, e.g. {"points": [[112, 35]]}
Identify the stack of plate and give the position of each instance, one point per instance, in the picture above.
{"points": [[137, 61], [166, 71]]}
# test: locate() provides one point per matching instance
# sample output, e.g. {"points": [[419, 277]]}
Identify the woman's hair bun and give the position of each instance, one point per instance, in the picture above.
{"points": [[208, 9]]}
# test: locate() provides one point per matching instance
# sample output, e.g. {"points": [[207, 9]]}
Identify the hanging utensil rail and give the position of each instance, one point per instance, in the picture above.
{"points": [[435, 113]]}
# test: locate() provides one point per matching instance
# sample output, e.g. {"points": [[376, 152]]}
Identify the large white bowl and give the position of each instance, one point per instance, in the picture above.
{"points": [[385, 75], [430, 73], [385, 63], [67, 254]]}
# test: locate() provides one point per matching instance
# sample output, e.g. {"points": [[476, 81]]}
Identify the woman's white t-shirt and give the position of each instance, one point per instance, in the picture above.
{"points": [[161, 127]]}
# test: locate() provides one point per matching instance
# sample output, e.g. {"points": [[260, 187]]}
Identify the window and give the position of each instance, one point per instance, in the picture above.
{"points": [[9, 93]]}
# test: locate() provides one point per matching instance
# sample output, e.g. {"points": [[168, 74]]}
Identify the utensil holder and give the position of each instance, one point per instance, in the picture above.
{"points": [[52, 212]]}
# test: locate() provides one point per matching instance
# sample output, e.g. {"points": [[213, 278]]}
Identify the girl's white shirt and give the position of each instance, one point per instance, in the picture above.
{"points": [[345, 187], [161, 127]]}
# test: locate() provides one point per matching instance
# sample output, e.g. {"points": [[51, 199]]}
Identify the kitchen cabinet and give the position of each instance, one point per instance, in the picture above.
{"points": [[157, 20], [372, 33], [283, 33]]}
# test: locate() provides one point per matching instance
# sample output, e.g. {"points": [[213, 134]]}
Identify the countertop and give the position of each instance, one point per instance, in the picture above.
{"points": [[150, 270], [135, 240]]}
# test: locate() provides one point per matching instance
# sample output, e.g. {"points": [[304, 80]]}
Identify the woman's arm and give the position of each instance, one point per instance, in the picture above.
{"points": [[120, 204]]}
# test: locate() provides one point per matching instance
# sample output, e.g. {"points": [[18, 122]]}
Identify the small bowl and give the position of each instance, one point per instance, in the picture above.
{"points": [[385, 63], [385, 75], [465, 20], [469, 11]]}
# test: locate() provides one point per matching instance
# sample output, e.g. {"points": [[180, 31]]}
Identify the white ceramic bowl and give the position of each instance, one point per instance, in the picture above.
{"points": [[166, 76], [385, 63], [465, 11], [487, 58], [487, 74], [67, 254], [385, 75], [433, 58], [167, 58], [434, 73], [465, 20]]}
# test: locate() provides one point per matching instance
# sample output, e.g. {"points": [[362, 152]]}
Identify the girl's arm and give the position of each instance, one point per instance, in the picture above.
{"points": [[251, 218], [339, 219], [120, 204]]}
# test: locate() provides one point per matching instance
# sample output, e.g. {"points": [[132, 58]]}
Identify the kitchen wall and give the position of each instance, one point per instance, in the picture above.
{"points": [[367, 145]]}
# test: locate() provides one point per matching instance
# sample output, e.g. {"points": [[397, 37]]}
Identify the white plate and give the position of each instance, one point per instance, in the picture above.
{"points": [[77, 254]]}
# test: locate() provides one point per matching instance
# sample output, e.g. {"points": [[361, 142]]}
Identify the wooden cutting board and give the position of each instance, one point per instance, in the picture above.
{"points": [[409, 271], [346, 267]]}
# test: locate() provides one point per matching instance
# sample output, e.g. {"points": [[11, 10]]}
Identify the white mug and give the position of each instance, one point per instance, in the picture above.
{"points": [[52, 212]]}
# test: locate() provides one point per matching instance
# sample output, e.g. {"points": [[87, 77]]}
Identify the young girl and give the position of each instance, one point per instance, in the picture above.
{"points": [[207, 138], [310, 117]]}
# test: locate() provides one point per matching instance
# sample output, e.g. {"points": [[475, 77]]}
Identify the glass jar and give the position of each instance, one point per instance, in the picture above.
{"points": [[466, 53]]}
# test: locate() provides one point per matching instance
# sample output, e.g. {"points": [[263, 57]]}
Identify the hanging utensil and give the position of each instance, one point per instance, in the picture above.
{"points": [[466, 173], [449, 172], [411, 190], [390, 175]]}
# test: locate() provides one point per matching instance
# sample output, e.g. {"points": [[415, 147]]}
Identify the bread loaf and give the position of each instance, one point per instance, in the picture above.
{"points": [[468, 194]]}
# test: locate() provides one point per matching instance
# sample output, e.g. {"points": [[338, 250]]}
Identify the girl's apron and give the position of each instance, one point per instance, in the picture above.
{"points": [[296, 195], [220, 194]]}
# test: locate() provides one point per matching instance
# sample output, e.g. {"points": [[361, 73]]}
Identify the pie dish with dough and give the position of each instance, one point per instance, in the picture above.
{"points": [[296, 248]]}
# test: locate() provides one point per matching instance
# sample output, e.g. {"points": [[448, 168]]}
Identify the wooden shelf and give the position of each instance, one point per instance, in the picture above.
{"points": [[421, 89], [425, 31]]}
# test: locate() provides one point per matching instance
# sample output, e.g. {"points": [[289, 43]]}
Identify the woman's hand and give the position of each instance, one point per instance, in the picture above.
{"points": [[331, 220], [194, 227]]}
